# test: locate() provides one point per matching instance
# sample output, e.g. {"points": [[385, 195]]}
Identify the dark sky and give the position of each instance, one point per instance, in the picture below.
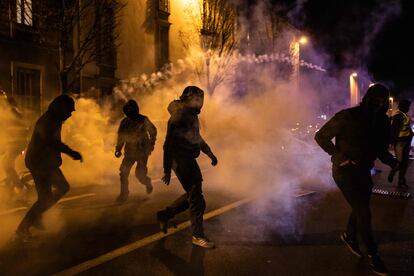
{"points": [[371, 34]]}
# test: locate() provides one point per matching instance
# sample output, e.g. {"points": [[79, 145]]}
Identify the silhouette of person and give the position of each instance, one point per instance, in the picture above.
{"points": [[138, 135], [401, 136], [361, 135], [43, 159], [182, 146]]}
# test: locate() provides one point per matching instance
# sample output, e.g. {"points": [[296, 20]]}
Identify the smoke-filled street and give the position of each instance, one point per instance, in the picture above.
{"points": [[206, 137], [264, 236]]}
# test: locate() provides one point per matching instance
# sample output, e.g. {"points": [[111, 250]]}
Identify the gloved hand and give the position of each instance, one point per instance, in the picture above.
{"points": [[166, 178], [118, 153], [76, 155], [214, 160]]}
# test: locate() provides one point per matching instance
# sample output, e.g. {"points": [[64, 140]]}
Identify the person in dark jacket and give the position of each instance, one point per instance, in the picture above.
{"points": [[138, 135], [182, 146], [401, 136], [361, 135], [43, 159]]}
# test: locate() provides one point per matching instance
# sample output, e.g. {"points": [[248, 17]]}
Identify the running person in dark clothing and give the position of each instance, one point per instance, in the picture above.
{"points": [[182, 146], [401, 136], [43, 159], [361, 135], [138, 135]]}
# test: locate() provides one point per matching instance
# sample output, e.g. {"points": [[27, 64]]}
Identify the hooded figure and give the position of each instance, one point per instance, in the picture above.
{"points": [[361, 135], [182, 146], [401, 136], [138, 135], [43, 159]]}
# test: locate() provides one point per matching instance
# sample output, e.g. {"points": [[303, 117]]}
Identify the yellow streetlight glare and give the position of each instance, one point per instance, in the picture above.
{"points": [[303, 40]]}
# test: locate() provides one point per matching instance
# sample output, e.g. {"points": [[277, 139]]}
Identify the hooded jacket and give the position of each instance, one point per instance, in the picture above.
{"points": [[183, 139], [45, 147], [359, 136], [138, 135]]}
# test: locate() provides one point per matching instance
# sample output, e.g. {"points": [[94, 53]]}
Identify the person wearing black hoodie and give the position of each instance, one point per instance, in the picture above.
{"points": [[182, 146], [43, 159], [138, 135], [362, 134]]}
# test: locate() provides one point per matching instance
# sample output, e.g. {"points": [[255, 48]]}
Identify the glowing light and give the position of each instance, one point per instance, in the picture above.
{"points": [[354, 74], [371, 84], [303, 40]]}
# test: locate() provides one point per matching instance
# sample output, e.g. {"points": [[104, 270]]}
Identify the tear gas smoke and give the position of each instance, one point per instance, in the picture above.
{"points": [[251, 134]]}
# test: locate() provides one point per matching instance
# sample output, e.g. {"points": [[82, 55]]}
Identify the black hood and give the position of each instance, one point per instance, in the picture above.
{"points": [[192, 99], [61, 107], [131, 109], [376, 99]]}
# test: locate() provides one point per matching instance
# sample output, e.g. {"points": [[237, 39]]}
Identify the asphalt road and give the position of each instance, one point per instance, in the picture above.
{"points": [[277, 233]]}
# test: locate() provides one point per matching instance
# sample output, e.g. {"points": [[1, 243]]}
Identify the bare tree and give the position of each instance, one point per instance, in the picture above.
{"points": [[83, 31], [216, 31]]}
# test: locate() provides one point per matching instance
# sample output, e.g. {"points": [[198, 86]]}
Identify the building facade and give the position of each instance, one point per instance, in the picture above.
{"points": [[39, 51]]}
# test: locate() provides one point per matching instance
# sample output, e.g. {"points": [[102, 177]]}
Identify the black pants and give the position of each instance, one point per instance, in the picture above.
{"points": [[141, 171], [402, 153], [44, 180], [356, 186], [189, 174]]}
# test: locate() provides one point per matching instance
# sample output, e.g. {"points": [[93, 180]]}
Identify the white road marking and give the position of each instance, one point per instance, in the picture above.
{"points": [[145, 241], [11, 211], [70, 198]]}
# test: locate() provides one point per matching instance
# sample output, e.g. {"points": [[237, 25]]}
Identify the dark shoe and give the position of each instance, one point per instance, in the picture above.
{"points": [[203, 242], [377, 265], [122, 198], [162, 219], [149, 188], [352, 245]]}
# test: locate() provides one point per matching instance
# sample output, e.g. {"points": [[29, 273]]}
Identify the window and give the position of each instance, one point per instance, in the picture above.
{"points": [[162, 51], [24, 14], [28, 88]]}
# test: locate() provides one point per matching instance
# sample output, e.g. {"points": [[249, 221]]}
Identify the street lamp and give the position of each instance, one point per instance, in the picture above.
{"points": [[295, 54], [354, 89]]}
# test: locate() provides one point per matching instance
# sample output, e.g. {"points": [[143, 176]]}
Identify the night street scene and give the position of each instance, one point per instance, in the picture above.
{"points": [[206, 137]]}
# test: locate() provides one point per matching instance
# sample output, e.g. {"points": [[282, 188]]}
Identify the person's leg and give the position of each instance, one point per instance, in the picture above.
{"points": [[141, 173], [44, 200], [180, 204], [189, 174], [398, 150], [60, 183], [405, 155], [124, 171], [357, 190], [356, 185]]}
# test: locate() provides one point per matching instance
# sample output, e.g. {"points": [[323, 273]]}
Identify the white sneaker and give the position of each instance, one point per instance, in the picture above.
{"points": [[203, 242]]}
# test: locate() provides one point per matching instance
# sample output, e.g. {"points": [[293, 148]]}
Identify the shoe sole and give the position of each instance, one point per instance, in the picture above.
{"points": [[378, 273], [350, 248], [208, 247]]}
